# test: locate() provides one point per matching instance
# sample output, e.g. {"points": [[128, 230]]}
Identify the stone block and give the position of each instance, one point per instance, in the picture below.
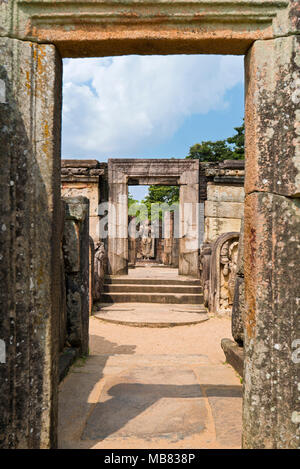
{"points": [[273, 117], [225, 193], [214, 227], [234, 355], [272, 272], [224, 209]]}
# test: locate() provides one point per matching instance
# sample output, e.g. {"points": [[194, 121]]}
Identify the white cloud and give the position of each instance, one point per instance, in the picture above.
{"points": [[115, 106]]}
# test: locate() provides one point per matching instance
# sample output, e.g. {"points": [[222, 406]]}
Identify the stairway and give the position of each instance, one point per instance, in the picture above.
{"points": [[125, 289]]}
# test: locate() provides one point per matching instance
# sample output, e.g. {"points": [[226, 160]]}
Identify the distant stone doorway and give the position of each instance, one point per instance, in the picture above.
{"points": [[125, 172]]}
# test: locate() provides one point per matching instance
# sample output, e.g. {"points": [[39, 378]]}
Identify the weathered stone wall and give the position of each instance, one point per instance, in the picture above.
{"points": [[76, 258], [224, 205], [30, 103], [82, 178]]}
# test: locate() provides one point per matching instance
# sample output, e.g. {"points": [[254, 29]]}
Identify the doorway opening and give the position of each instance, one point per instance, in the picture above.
{"points": [[153, 226]]}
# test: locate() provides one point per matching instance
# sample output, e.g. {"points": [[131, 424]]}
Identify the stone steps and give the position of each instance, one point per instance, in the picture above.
{"points": [[170, 298], [111, 280], [136, 288], [152, 289]]}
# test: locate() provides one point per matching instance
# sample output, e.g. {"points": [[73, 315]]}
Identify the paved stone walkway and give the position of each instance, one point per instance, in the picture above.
{"points": [[152, 388]]}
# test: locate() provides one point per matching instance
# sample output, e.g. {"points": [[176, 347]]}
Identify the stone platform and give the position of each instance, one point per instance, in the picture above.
{"points": [[149, 315]]}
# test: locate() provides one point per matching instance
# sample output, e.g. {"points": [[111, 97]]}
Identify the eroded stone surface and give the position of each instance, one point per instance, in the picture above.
{"points": [[273, 117], [30, 77], [272, 272], [76, 256], [110, 28]]}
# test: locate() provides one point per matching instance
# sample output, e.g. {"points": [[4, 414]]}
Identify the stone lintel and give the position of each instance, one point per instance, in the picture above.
{"points": [[108, 28]]}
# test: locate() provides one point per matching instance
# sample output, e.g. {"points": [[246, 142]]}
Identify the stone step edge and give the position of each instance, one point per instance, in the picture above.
{"points": [[149, 293], [186, 283], [153, 324]]}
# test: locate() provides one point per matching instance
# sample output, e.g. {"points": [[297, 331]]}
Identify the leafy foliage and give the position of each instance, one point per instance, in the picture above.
{"points": [[232, 148]]}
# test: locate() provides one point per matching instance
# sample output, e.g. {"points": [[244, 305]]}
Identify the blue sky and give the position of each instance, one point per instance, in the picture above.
{"points": [[149, 106]]}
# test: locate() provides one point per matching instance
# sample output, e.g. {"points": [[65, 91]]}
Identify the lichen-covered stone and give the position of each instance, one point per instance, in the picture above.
{"points": [[273, 117], [272, 273], [30, 77]]}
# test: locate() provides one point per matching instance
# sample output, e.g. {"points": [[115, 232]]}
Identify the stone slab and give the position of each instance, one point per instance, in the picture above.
{"points": [[234, 355], [223, 209], [225, 193], [214, 227], [226, 405], [147, 403]]}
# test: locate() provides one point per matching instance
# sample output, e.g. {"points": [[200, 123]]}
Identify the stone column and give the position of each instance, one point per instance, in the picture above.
{"points": [[189, 230], [76, 247], [30, 109], [117, 223], [272, 238]]}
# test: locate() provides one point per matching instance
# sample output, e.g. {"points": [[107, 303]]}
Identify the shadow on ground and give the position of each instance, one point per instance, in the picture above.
{"points": [[172, 410]]}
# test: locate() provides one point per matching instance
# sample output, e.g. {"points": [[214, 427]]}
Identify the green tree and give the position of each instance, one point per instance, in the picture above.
{"points": [[238, 142], [165, 195], [162, 194], [231, 148], [210, 151]]}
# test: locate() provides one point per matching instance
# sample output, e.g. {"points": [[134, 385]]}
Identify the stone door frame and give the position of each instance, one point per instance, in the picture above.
{"points": [[182, 173], [34, 37]]}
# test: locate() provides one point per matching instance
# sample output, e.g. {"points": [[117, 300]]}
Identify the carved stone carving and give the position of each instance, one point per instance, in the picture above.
{"points": [[146, 241], [204, 266], [223, 273], [100, 262]]}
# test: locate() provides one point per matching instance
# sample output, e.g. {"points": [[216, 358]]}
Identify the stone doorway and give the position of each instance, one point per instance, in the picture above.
{"points": [[34, 37], [125, 172], [153, 228]]}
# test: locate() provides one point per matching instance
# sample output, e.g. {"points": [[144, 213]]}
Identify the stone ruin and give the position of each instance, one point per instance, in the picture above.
{"points": [[34, 37]]}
